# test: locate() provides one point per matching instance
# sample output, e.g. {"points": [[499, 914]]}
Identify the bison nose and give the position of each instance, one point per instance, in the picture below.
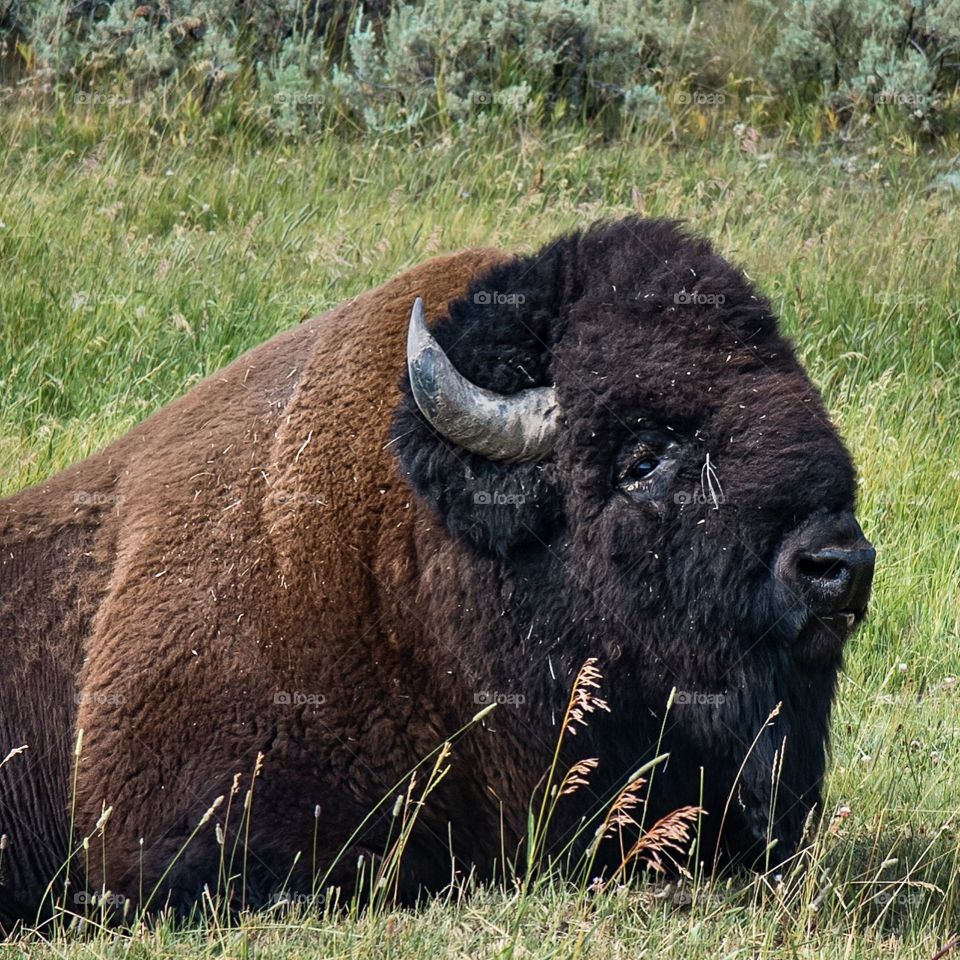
{"points": [[836, 578], [830, 566]]}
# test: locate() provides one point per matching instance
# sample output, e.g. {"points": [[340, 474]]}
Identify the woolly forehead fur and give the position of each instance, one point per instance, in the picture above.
{"points": [[636, 324]]}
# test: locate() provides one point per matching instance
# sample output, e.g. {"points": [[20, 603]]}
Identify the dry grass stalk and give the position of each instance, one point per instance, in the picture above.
{"points": [[583, 699]]}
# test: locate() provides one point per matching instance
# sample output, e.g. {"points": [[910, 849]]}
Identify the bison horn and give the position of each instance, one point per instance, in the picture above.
{"points": [[517, 426]]}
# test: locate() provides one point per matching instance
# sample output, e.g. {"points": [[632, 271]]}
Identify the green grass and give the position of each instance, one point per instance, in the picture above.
{"points": [[133, 264]]}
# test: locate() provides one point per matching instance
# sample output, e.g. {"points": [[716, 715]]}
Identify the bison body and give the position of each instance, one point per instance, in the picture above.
{"points": [[295, 562]]}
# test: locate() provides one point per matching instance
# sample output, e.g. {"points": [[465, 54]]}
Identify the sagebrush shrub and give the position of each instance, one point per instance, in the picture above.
{"points": [[546, 58], [871, 53], [294, 67]]}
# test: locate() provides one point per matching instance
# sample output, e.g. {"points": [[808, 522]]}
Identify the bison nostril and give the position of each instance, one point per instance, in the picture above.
{"points": [[834, 578], [821, 566]]}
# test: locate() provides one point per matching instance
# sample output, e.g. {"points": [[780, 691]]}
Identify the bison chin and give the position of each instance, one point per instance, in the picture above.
{"points": [[822, 639]]}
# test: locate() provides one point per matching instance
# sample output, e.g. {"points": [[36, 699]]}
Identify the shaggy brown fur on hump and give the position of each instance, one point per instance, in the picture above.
{"points": [[248, 543]]}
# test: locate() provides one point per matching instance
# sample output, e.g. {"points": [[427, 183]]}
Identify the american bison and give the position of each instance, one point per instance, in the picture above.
{"points": [[332, 553]]}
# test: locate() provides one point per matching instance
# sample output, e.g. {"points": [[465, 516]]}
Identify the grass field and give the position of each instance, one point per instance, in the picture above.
{"points": [[132, 265]]}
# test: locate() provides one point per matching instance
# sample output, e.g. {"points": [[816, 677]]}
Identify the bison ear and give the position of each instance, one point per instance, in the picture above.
{"points": [[506, 511]]}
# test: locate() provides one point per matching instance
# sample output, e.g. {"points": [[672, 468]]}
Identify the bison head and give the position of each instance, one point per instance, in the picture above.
{"points": [[630, 463]]}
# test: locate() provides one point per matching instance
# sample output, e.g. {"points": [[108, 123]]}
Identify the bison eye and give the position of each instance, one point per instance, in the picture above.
{"points": [[646, 466], [640, 469]]}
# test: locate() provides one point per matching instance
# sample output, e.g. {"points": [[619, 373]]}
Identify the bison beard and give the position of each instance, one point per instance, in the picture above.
{"points": [[293, 560]]}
